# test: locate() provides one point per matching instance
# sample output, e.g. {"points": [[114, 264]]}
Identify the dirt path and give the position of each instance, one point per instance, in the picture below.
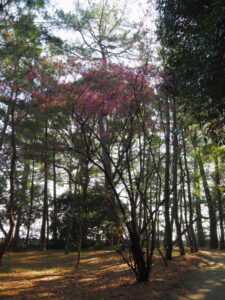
{"points": [[206, 283]]}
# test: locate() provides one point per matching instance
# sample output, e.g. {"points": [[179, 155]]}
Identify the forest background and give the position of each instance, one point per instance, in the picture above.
{"points": [[128, 119]]}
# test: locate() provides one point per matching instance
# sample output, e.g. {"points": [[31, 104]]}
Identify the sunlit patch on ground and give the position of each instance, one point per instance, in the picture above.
{"points": [[102, 275]]}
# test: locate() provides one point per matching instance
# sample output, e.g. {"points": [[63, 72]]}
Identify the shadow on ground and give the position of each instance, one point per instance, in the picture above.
{"points": [[205, 283], [102, 275]]}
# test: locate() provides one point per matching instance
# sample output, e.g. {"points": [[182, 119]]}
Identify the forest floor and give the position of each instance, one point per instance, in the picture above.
{"points": [[207, 282], [102, 275]]}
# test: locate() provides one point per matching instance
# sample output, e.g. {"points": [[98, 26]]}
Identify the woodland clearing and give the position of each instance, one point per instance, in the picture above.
{"points": [[101, 275]]}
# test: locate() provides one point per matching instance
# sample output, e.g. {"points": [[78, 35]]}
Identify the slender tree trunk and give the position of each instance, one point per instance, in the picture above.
{"points": [[193, 245], [6, 123], [158, 243], [54, 230], [47, 228], [43, 239], [200, 231], [3, 229], [220, 202], [11, 203], [175, 198], [211, 206], [84, 185], [20, 204], [69, 229], [186, 212], [17, 229], [168, 226], [70, 217], [79, 242], [110, 199], [31, 205]]}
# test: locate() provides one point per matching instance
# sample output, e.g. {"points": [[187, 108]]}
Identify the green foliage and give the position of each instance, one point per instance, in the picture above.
{"points": [[101, 27], [192, 35], [93, 216]]}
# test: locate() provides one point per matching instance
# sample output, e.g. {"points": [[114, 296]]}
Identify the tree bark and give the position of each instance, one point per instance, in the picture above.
{"points": [[168, 226], [69, 228], [219, 201], [142, 267], [211, 206], [6, 123], [43, 239], [3, 229], [110, 202], [20, 203], [175, 198], [31, 205], [194, 246], [11, 203], [54, 230], [84, 187], [200, 230], [186, 211]]}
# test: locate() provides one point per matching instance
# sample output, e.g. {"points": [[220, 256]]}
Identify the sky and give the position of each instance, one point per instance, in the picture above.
{"points": [[136, 10], [137, 14]]}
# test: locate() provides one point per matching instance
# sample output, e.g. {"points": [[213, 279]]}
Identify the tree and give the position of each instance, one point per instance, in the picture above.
{"points": [[102, 30], [20, 42], [194, 32], [114, 90], [191, 233], [197, 197], [94, 218], [168, 222], [175, 181], [219, 199], [209, 200], [104, 35]]}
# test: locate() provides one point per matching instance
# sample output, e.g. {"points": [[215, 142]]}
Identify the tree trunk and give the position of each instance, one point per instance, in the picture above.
{"points": [[110, 202], [84, 186], [220, 202], [20, 204], [200, 230], [69, 229], [3, 229], [54, 229], [70, 217], [175, 198], [141, 265], [11, 203], [188, 236], [6, 123], [43, 239], [211, 206], [17, 229], [31, 205], [168, 226], [194, 247]]}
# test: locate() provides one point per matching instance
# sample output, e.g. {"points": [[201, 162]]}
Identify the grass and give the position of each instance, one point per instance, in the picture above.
{"points": [[102, 275]]}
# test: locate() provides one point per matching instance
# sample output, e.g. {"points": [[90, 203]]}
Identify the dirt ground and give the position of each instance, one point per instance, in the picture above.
{"points": [[102, 275], [207, 282]]}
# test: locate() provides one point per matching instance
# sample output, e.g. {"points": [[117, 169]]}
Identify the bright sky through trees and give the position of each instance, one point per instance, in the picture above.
{"points": [[139, 12], [134, 9]]}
